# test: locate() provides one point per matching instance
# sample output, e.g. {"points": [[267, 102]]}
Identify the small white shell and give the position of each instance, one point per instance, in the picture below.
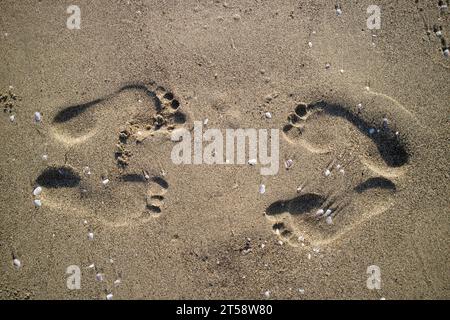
{"points": [[327, 172], [37, 191], [327, 66], [268, 115], [338, 11], [328, 212], [371, 131], [319, 212], [341, 71], [105, 181], [92, 266], [37, 203], [44, 157], [309, 256], [310, 44], [91, 235], [205, 122], [37, 116], [329, 220], [262, 188], [446, 53], [12, 118], [17, 263], [252, 162], [109, 296], [99, 277], [267, 294], [288, 164], [301, 291]]}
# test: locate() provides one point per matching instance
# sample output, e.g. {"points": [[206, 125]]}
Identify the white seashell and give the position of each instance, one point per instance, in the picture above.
{"points": [[341, 71], [263, 245], [17, 263], [338, 166], [319, 212], [117, 282], [92, 266], [280, 242], [205, 122], [327, 173], [91, 235], [371, 131], [87, 171], [301, 238], [109, 296], [37, 116], [252, 162], [328, 212], [267, 294], [268, 115], [105, 182], [446, 53], [309, 256], [37, 203], [299, 189], [12, 118], [301, 291], [329, 220], [310, 44], [342, 171], [37, 191], [262, 189], [439, 33], [45, 157], [327, 66], [338, 11], [99, 277], [288, 163], [359, 106], [316, 250]]}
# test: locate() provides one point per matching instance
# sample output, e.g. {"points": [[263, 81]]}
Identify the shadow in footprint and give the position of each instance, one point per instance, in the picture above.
{"points": [[58, 177], [376, 183], [302, 204], [392, 150]]}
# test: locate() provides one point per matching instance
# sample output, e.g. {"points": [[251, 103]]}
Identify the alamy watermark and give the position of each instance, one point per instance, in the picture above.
{"points": [[229, 148], [374, 279], [74, 278], [74, 20], [374, 20]]}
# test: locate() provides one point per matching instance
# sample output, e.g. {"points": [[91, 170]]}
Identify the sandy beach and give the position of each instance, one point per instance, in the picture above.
{"points": [[94, 206]]}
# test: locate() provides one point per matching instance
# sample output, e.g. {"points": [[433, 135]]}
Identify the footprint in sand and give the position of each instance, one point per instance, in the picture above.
{"points": [[359, 151], [108, 173]]}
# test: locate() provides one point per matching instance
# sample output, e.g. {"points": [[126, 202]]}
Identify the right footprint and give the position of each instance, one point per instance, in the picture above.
{"points": [[361, 151]]}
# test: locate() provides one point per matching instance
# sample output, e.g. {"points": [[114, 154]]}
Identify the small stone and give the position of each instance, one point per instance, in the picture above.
{"points": [[328, 212], [267, 294], [309, 256], [329, 220], [310, 44], [117, 282], [327, 66], [338, 11], [341, 71], [105, 181], [91, 235], [99, 277], [236, 17], [371, 131], [44, 157], [205, 122], [446, 53], [37, 203], [319, 212], [301, 291], [268, 115], [109, 296], [12, 118], [327, 172]]}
